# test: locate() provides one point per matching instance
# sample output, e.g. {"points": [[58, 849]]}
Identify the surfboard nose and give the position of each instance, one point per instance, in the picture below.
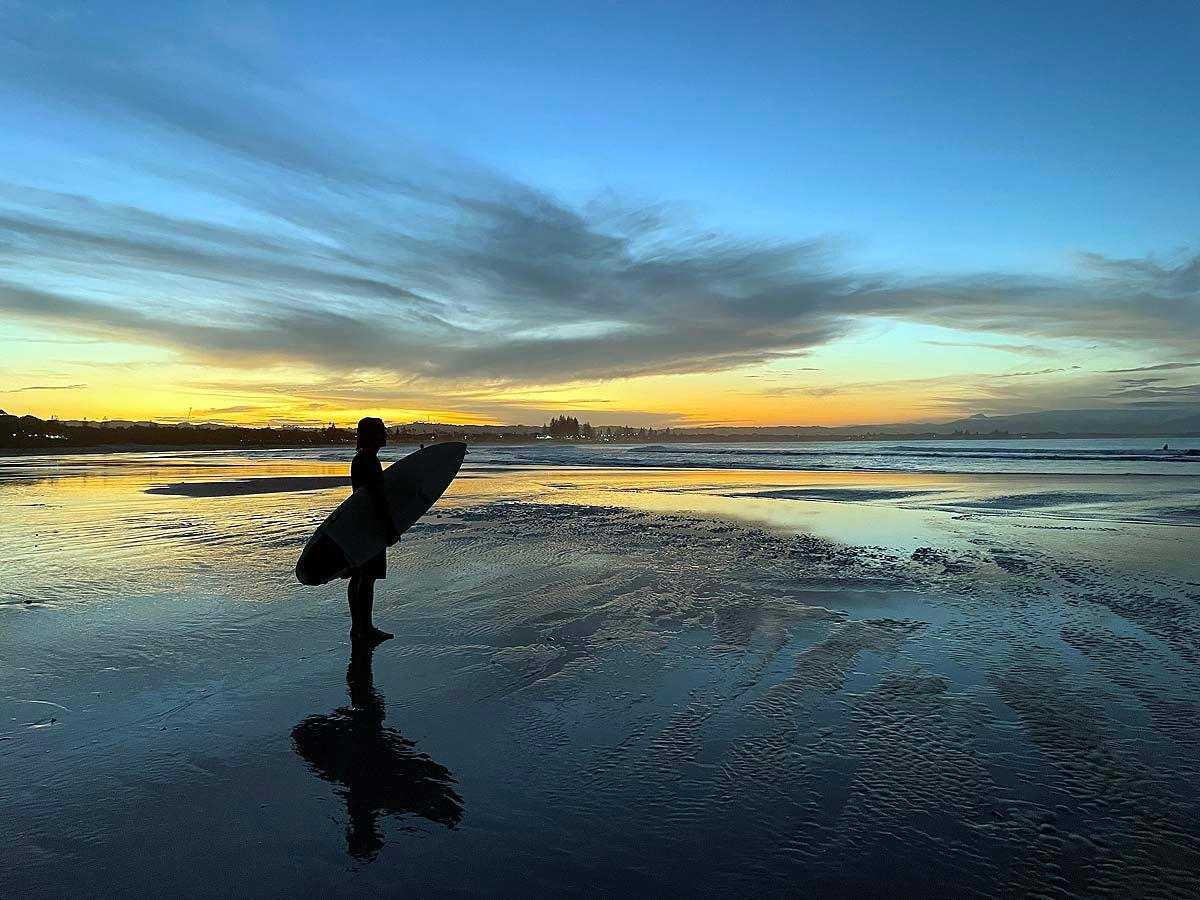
{"points": [[446, 459], [451, 452]]}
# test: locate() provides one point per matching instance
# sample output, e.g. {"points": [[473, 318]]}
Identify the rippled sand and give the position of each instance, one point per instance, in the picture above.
{"points": [[604, 683]]}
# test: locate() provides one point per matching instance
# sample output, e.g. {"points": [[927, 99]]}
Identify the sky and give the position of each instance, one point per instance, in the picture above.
{"points": [[652, 213]]}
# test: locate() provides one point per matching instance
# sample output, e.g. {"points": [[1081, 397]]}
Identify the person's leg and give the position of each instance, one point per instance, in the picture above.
{"points": [[361, 597], [354, 600], [366, 602]]}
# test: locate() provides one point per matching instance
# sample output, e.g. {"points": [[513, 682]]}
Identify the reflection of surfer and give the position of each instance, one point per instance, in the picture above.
{"points": [[366, 471], [380, 772]]}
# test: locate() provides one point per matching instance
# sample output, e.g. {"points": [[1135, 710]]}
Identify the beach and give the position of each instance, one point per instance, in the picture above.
{"points": [[668, 672]]}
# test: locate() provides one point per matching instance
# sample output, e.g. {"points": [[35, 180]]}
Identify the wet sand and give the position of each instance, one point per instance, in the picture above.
{"points": [[604, 683]]}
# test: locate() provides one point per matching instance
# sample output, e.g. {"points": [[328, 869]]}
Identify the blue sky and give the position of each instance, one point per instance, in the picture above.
{"points": [[941, 134], [925, 148], [971, 135]]}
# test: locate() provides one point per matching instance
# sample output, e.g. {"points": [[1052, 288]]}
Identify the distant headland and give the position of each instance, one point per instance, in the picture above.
{"points": [[28, 432]]}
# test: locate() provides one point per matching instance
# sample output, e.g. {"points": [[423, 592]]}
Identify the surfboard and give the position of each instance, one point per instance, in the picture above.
{"points": [[353, 534]]}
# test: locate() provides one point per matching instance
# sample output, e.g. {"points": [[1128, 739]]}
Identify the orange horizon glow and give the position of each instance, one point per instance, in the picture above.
{"points": [[899, 374]]}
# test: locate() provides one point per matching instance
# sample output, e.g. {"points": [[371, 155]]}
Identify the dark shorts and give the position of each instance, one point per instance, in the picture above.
{"points": [[375, 567]]}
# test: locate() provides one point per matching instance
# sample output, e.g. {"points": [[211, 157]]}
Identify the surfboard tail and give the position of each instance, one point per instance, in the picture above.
{"points": [[322, 561]]}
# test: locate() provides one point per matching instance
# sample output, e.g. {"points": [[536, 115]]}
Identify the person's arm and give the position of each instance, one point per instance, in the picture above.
{"points": [[382, 510], [371, 478]]}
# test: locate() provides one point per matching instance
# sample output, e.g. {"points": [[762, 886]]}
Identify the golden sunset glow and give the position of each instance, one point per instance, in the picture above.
{"points": [[891, 373]]}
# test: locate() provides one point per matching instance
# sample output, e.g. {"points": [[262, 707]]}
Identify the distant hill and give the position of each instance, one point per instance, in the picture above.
{"points": [[1084, 421], [32, 432], [1187, 425], [1066, 422]]}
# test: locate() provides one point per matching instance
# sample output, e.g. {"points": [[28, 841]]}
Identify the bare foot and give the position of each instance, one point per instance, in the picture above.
{"points": [[371, 635]]}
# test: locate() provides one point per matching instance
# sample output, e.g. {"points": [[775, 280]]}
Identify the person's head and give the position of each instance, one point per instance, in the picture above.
{"points": [[371, 433]]}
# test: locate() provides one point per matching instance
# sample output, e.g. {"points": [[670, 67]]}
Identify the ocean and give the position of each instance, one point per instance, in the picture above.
{"points": [[1091, 456]]}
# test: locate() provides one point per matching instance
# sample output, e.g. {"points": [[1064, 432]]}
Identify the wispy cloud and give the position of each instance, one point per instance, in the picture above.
{"points": [[1160, 367], [521, 290], [1166, 394], [44, 387], [1051, 371], [1021, 349]]}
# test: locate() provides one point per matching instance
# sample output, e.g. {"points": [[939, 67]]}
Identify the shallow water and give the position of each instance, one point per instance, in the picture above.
{"points": [[639, 681]]}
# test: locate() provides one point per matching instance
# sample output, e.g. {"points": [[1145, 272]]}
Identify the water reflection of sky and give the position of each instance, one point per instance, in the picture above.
{"points": [[90, 515]]}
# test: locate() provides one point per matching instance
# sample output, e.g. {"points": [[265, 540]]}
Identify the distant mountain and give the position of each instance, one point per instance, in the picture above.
{"points": [[1131, 422], [1079, 421], [1187, 425]]}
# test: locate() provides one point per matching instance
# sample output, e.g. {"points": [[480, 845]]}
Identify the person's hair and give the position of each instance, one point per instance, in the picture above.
{"points": [[371, 433]]}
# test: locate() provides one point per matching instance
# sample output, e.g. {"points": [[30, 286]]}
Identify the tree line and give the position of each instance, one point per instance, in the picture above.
{"points": [[569, 427]]}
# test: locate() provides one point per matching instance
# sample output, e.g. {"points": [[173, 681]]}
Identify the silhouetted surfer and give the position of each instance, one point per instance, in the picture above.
{"points": [[378, 770], [366, 471]]}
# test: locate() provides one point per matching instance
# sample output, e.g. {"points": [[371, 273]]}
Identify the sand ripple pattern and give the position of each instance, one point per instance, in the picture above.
{"points": [[987, 722]]}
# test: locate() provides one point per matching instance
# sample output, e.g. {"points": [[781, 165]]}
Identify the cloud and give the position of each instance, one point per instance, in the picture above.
{"points": [[44, 387], [241, 408], [1134, 303], [349, 251], [1050, 371], [1163, 394], [954, 395], [530, 292], [1023, 349], [1160, 367]]}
